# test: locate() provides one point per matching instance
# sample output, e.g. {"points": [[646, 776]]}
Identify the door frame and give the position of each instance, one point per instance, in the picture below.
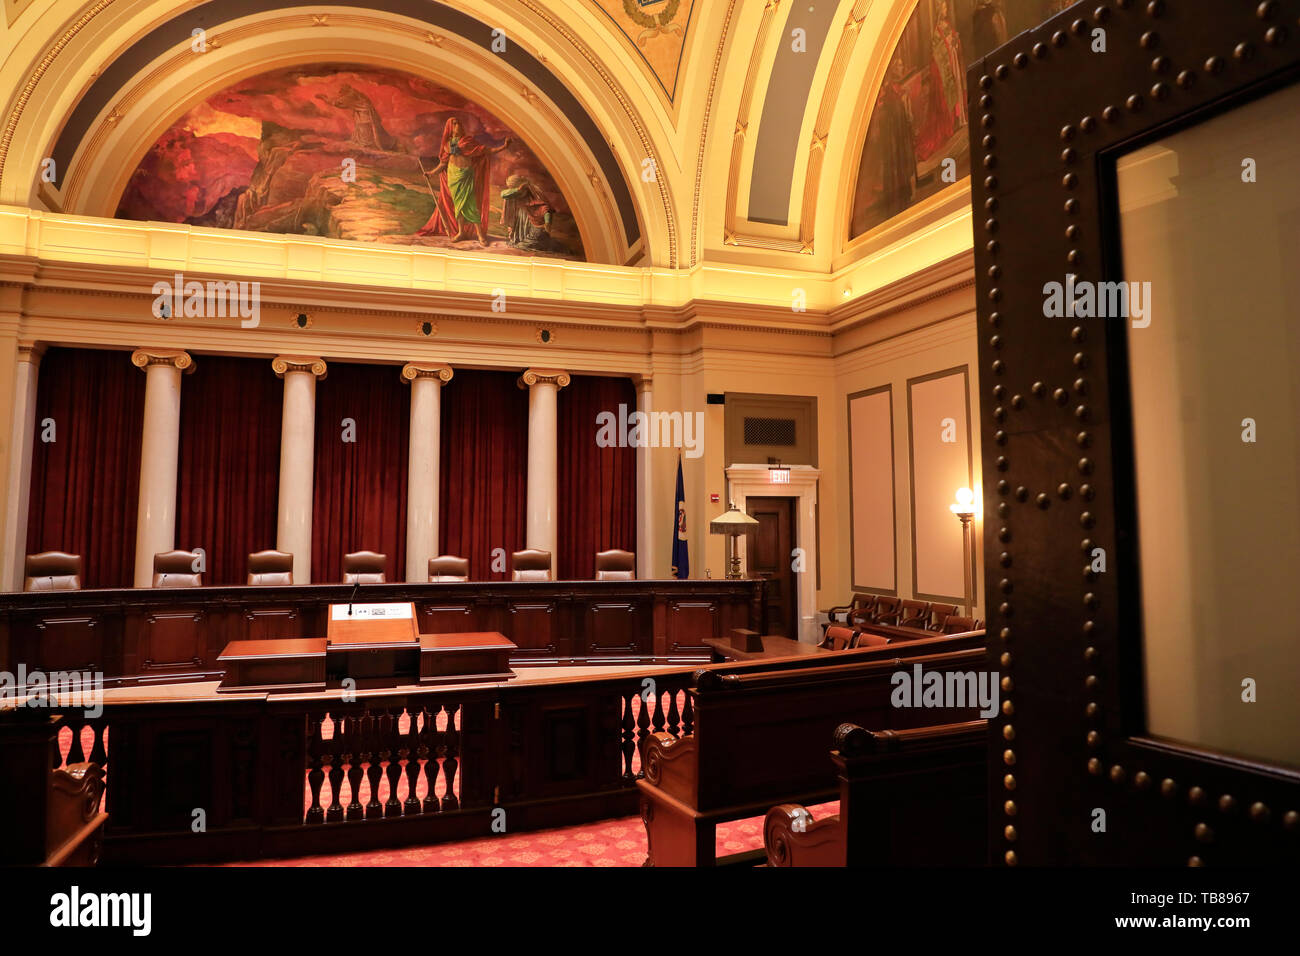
{"points": [[752, 480]]}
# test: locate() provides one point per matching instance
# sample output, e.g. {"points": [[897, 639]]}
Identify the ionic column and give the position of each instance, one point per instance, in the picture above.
{"points": [[645, 551], [297, 458], [20, 464], [423, 465], [543, 389], [155, 526]]}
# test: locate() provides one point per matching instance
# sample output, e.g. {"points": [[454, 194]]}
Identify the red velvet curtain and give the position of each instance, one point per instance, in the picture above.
{"points": [[359, 501], [228, 476], [86, 483], [597, 486], [484, 462]]}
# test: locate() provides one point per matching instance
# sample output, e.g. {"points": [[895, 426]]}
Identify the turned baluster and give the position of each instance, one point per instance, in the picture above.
{"points": [[392, 753], [659, 712], [673, 725], [353, 758], [452, 739], [99, 749], [429, 751], [315, 776], [374, 770], [688, 716], [76, 753], [628, 745], [642, 728], [334, 812], [411, 751]]}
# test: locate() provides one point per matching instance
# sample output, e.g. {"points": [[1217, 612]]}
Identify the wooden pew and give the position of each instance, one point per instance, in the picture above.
{"points": [[915, 797], [758, 739]]}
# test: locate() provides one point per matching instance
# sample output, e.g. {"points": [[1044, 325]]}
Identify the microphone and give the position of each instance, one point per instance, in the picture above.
{"points": [[356, 587]]}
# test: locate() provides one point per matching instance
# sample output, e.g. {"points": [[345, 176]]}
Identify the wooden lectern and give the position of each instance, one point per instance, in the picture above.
{"points": [[371, 625]]}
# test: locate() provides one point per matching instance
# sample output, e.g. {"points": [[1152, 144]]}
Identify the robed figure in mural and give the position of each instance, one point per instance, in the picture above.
{"points": [[462, 201], [527, 216]]}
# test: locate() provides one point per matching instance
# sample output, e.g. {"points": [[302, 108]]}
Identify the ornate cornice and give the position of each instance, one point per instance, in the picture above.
{"points": [[283, 364], [146, 358], [438, 372], [543, 376]]}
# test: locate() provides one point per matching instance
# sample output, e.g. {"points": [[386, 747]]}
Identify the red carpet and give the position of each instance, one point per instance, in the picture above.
{"points": [[607, 843]]}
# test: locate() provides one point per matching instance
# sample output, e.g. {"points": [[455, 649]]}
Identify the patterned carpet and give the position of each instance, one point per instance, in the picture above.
{"points": [[607, 843]]}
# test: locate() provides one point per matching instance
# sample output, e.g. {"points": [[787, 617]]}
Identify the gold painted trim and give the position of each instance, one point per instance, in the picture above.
{"points": [[704, 135]]}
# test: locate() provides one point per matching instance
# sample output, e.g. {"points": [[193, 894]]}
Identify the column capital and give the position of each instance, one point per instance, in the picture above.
{"points": [[644, 383], [31, 352], [543, 376], [434, 370], [282, 364], [144, 358]]}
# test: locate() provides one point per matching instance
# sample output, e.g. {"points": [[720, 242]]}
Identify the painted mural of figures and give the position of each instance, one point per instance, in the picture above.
{"points": [[367, 129], [989, 23], [946, 44], [527, 216], [463, 174], [898, 162]]}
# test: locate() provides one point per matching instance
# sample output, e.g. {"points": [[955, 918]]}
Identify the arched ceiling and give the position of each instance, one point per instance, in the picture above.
{"points": [[683, 132]]}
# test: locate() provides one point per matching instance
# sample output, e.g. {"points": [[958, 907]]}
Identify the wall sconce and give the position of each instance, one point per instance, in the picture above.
{"points": [[964, 509], [733, 523]]}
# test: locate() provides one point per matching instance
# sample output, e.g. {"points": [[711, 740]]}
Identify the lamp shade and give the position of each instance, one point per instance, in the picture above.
{"points": [[732, 522]]}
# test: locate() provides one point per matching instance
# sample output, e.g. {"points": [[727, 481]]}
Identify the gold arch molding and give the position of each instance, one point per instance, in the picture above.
{"points": [[105, 161], [596, 214]]}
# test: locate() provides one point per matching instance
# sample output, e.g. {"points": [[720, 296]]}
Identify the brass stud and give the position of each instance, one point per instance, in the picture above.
{"points": [[1077, 334], [1085, 544], [1227, 803], [1091, 709], [1290, 819], [1093, 738], [999, 413], [1007, 684], [1090, 653], [1186, 79], [1022, 493], [1061, 396], [1008, 708], [1204, 833], [1004, 609], [1043, 501], [1244, 51], [1089, 627], [1068, 155], [1101, 14], [1072, 231], [1010, 833], [1009, 758], [1002, 71], [1005, 634], [1086, 492], [1156, 8], [1168, 788], [1149, 40], [986, 101], [1160, 91], [986, 121], [1081, 412], [995, 271], [1078, 27], [1117, 774], [997, 367], [1275, 36], [1142, 780], [990, 161], [1069, 180], [1004, 586], [1037, 388], [1259, 812], [1040, 51], [1064, 491], [1003, 509], [1004, 534], [1080, 360], [1005, 661], [1059, 38], [991, 225], [1009, 782], [1010, 857], [1020, 60], [1160, 64], [1085, 465], [1215, 64], [999, 390], [1081, 386], [1110, 114], [1090, 682], [1008, 732], [1084, 439], [1004, 487], [1002, 463], [1087, 124], [1196, 796], [1194, 861], [986, 82], [989, 141], [1094, 766], [1266, 9], [993, 246], [1086, 519], [995, 318], [1134, 103], [1017, 402], [1009, 808]]}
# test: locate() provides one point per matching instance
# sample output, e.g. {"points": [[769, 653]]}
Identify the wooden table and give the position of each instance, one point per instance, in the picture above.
{"points": [[773, 646], [306, 664]]}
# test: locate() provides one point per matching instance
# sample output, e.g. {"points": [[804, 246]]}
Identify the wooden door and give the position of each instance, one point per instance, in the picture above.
{"points": [[769, 554]]}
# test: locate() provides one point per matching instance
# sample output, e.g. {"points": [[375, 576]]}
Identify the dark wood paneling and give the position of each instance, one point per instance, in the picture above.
{"points": [[176, 634], [1048, 118]]}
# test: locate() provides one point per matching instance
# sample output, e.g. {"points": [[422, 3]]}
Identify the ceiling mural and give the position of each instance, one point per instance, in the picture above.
{"points": [[657, 31], [352, 152], [919, 117]]}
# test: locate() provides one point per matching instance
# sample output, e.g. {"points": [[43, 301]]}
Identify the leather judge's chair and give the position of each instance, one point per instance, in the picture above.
{"points": [[448, 568], [175, 569], [530, 565], [267, 568], [364, 567], [52, 571], [615, 565]]}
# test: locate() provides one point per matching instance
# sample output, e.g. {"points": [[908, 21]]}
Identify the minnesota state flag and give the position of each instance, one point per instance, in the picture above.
{"points": [[681, 556]]}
